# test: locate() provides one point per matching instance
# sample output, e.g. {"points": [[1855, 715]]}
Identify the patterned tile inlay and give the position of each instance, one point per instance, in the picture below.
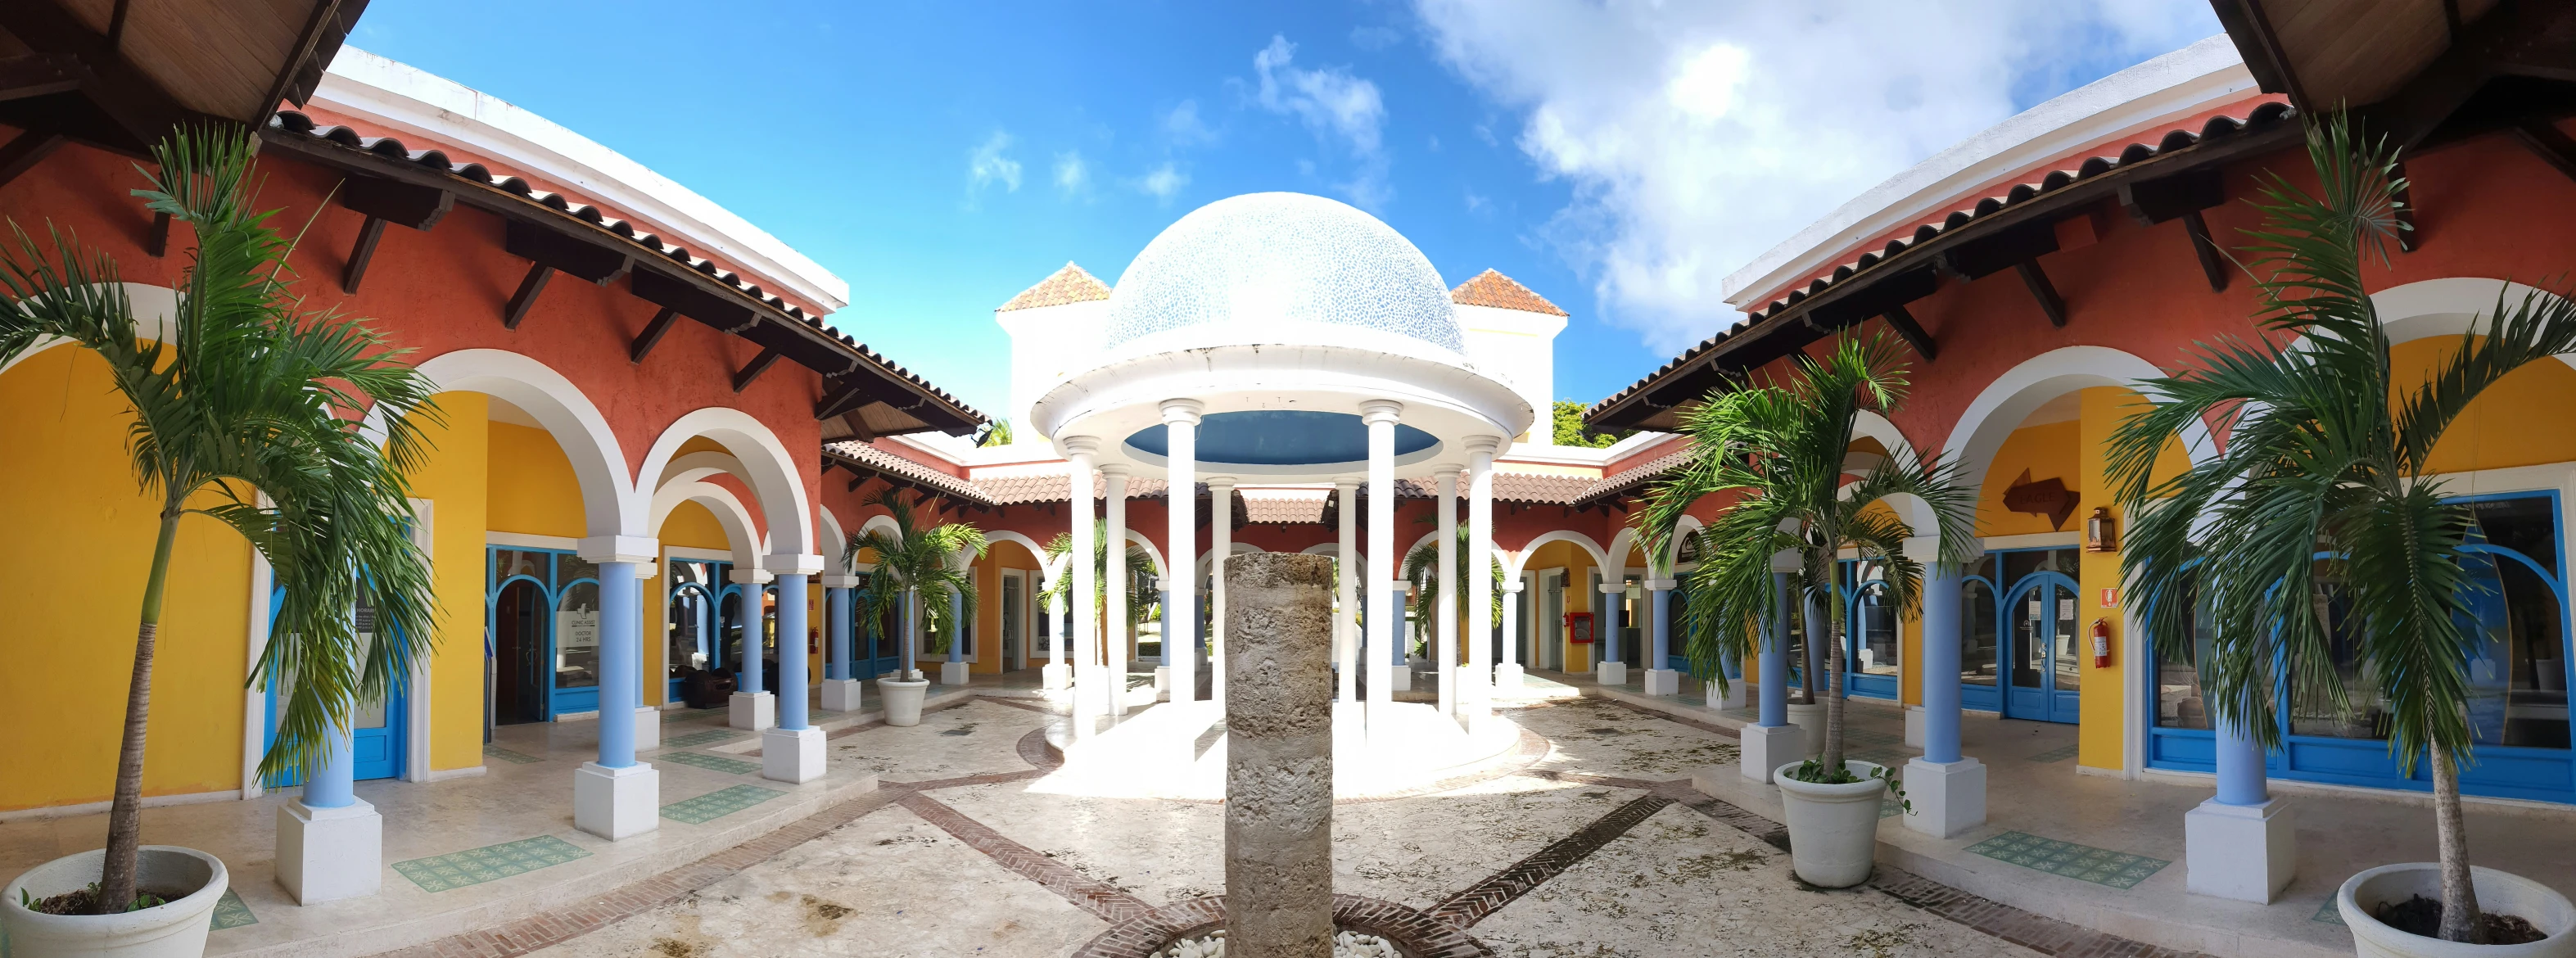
{"points": [[475, 866], [2056, 754], [2100, 866], [718, 804], [695, 739], [232, 912], [514, 758], [712, 763], [2327, 913]]}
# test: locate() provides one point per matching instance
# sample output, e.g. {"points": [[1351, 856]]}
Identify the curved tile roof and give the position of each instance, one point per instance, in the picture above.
{"points": [[1072, 284], [1490, 288]]}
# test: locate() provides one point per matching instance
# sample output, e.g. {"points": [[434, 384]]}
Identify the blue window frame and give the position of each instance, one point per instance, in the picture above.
{"points": [[1871, 647], [378, 734], [541, 632], [692, 629], [2518, 676]]}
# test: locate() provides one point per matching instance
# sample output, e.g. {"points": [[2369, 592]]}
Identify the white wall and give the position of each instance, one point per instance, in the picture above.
{"points": [[1520, 349], [1048, 344]]}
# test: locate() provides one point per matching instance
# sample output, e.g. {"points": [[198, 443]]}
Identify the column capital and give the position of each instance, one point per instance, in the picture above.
{"points": [[1615, 584], [1448, 472], [1182, 410], [637, 549], [842, 581], [1081, 445], [748, 577], [1662, 585], [1923, 548], [1115, 470], [1512, 584], [1376, 411], [1482, 445], [1348, 483], [1215, 483], [1787, 560], [789, 563]]}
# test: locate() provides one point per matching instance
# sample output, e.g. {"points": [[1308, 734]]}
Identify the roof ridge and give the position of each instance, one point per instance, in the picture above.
{"points": [[1492, 288], [1071, 284]]}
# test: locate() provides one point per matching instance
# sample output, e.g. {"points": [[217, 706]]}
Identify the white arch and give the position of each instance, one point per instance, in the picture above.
{"points": [[1624, 543], [1236, 549], [2447, 307], [1672, 556], [769, 468], [1006, 535], [740, 535], [154, 308], [609, 503], [2013, 396], [832, 540], [701, 464], [1874, 426], [1161, 568], [1520, 559]]}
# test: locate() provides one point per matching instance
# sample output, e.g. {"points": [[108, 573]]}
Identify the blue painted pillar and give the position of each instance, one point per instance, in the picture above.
{"points": [[621, 661], [956, 626], [1611, 601], [2241, 779], [748, 612], [836, 631], [1662, 626], [911, 630], [791, 651], [1940, 672], [1774, 704]]}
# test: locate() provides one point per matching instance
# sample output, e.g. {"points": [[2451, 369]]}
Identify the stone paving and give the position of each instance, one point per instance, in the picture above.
{"points": [[1596, 851]]}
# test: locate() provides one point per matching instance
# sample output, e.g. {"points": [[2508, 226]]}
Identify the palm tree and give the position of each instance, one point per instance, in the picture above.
{"points": [[248, 410], [2325, 476], [1137, 558], [916, 564], [1422, 568], [1780, 449]]}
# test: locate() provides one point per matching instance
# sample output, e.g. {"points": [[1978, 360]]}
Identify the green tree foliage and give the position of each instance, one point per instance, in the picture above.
{"points": [[1570, 430]]}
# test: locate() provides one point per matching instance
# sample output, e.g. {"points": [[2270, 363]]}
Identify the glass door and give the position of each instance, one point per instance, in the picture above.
{"points": [[1870, 646], [377, 731], [2046, 650]]}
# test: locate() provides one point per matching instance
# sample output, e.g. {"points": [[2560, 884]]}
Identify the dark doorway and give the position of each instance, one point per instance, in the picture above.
{"points": [[520, 675]]}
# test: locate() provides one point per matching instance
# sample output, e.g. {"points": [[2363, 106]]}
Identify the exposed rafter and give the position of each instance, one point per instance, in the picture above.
{"points": [[2035, 279], [526, 297], [750, 371], [652, 334], [24, 151], [1903, 322]]}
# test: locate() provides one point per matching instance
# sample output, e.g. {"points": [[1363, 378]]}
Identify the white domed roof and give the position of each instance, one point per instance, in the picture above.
{"points": [[1267, 268]]}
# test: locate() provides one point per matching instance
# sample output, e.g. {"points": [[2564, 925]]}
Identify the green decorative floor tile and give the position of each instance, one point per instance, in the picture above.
{"points": [[2056, 754], [475, 866], [1891, 807], [695, 739], [232, 912], [2100, 866], [515, 758], [718, 804], [2328, 914], [690, 715], [712, 763]]}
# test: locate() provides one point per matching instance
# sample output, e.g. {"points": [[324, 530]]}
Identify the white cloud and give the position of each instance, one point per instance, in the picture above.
{"points": [[1071, 173], [1373, 38], [1698, 135], [1182, 126], [1162, 182], [1339, 107], [985, 165]]}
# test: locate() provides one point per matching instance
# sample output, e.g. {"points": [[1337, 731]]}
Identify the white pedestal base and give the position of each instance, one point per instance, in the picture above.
{"points": [[2244, 852], [615, 803], [791, 755], [953, 673], [1507, 679], [1732, 698], [648, 728], [752, 710], [1402, 680], [842, 695], [1055, 677], [327, 854], [1811, 720], [1162, 683], [1915, 721], [1611, 673], [1764, 748], [1949, 797], [1663, 682]]}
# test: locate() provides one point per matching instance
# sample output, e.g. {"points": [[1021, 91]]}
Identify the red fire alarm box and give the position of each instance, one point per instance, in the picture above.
{"points": [[1578, 627]]}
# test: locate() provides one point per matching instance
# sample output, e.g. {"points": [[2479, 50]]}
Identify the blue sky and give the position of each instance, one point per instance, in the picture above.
{"points": [[943, 156]]}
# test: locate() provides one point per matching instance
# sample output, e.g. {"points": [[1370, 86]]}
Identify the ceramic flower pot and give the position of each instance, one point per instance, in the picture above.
{"points": [[174, 930], [1833, 829], [2498, 892], [902, 700]]}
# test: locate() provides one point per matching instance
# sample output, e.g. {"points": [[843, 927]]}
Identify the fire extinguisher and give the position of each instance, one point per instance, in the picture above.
{"points": [[2102, 643], [813, 641]]}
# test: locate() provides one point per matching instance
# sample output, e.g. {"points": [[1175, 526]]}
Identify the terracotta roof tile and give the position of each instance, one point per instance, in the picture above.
{"points": [[1285, 506], [896, 466], [1069, 285], [1494, 289]]}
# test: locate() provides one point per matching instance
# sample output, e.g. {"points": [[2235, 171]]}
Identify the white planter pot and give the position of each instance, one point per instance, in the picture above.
{"points": [[902, 700], [1811, 720], [2498, 892], [174, 930], [1833, 829]]}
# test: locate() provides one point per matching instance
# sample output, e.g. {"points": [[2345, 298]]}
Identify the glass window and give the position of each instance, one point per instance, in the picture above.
{"points": [[577, 637], [2315, 714], [2073, 645], [370, 714], [527, 562], [2178, 700], [1874, 647]]}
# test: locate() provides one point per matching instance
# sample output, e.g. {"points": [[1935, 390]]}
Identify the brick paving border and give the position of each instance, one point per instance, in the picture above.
{"points": [[1108, 902], [1413, 932], [1470, 905]]}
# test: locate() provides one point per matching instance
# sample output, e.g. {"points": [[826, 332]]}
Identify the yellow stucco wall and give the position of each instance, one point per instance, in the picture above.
{"points": [[2499, 429], [2047, 451], [80, 547], [533, 489], [1578, 597], [455, 482]]}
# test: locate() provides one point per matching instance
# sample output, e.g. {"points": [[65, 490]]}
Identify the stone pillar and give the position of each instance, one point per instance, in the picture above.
{"points": [[1180, 546], [841, 687], [1385, 617], [1948, 789], [1507, 674], [616, 796], [1661, 677], [1087, 691], [792, 752], [1612, 669], [1444, 643], [1220, 546], [1771, 741], [749, 708], [1279, 757], [330, 843], [1113, 592], [1478, 693], [2242, 843], [1346, 638]]}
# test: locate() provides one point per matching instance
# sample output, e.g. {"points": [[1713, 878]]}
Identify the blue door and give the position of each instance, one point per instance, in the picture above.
{"points": [[2043, 653], [1870, 646], [376, 735], [879, 644]]}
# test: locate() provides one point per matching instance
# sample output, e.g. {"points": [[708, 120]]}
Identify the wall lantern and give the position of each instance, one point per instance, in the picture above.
{"points": [[2101, 532]]}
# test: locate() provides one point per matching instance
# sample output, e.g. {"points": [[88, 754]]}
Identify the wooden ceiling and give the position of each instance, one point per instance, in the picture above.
{"points": [[121, 73], [2423, 71]]}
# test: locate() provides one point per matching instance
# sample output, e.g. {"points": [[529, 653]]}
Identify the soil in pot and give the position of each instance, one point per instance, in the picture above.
{"points": [[2418, 915], [85, 901]]}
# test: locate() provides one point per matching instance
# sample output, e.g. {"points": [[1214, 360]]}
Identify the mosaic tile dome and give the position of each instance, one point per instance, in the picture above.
{"points": [[1280, 268]]}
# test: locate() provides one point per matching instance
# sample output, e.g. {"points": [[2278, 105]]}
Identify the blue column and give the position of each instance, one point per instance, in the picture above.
{"points": [[791, 651], [748, 612], [330, 779], [836, 632], [1775, 657], [1663, 647], [1610, 606], [956, 626], [621, 662], [2241, 779], [1941, 662], [911, 629]]}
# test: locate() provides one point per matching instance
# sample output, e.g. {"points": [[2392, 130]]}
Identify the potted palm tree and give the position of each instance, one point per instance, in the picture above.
{"points": [[246, 409], [1780, 450], [915, 574], [2325, 477]]}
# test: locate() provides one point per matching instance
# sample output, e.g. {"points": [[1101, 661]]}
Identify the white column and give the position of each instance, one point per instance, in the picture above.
{"points": [[1445, 646], [1220, 545], [753, 711], [1346, 645], [1180, 545], [1113, 614], [1080, 451], [1507, 674], [1478, 693], [1385, 613]]}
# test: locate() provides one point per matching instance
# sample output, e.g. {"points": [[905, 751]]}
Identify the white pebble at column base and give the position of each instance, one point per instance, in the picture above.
{"points": [[1611, 673], [752, 710], [615, 803], [1507, 679], [1764, 748], [1347, 944], [1056, 677], [953, 673]]}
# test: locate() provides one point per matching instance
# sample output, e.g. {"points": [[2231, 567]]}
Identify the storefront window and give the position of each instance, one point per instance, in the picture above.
{"points": [[1978, 636], [2517, 672], [2312, 712], [2178, 699], [1875, 649], [577, 637]]}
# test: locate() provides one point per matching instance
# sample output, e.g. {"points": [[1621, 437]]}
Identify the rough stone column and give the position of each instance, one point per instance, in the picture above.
{"points": [[1279, 756]]}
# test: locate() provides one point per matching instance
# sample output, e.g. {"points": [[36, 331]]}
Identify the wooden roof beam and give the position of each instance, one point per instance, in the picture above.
{"points": [[2551, 145], [652, 334], [386, 201], [24, 151], [742, 378], [2150, 202], [1903, 322]]}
